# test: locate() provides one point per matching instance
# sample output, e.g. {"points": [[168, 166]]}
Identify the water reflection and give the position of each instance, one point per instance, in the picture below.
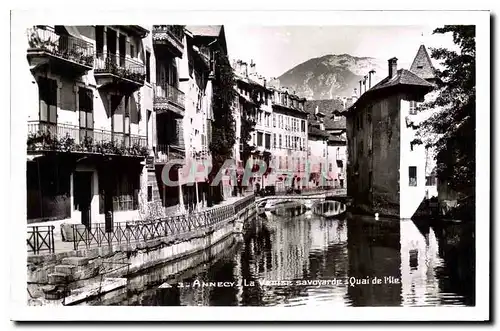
{"points": [[360, 261]]}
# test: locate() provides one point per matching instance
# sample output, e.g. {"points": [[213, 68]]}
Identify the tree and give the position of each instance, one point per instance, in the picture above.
{"points": [[223, 126], [454, 120]]}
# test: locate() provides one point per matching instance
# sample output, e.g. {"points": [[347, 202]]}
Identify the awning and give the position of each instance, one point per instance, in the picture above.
{"points": [[73, 31]]}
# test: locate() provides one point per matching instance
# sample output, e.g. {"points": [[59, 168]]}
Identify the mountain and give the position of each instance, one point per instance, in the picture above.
{"points": [[332, 75]]}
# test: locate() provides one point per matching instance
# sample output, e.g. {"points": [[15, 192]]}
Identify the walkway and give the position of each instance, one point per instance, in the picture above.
{"points": [[39, 234]]}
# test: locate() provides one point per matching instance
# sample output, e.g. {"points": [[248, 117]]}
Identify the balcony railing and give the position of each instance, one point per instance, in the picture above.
{"points": [[165, 93], [63, 46], [169, 152], [107, 63], [175, 32], [71, 138]]}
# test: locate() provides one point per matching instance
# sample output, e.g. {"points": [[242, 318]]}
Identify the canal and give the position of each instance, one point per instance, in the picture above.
{"points": [[290, 257]]}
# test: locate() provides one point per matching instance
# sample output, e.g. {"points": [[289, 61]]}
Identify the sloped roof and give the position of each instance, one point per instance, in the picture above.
{"points": [[336, 139], [402, 77], [205, 30], [314, 131], [422, 64], [328, 107], [331, 124]]}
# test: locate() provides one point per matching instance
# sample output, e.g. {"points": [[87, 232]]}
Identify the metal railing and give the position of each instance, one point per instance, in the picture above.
{"points": [[169, 152], [174, 31], [130, 232], [64, 46], [165, 92], [58, 136], [40, 238], [120, 66]]}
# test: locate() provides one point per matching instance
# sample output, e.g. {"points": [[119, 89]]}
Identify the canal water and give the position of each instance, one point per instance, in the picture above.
{"points": [[291, 257]]}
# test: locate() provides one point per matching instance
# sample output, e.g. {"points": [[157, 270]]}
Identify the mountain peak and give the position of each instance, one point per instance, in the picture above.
{"points": [[331, 75]]}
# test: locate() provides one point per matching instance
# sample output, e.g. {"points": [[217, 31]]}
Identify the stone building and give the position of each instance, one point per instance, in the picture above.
{"points": [[279, 138], [334, 124], [90, 122], [289, 138], [386, 161]]}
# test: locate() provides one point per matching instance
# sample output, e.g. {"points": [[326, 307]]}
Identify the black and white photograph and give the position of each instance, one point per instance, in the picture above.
{"points": [[328, 164]]}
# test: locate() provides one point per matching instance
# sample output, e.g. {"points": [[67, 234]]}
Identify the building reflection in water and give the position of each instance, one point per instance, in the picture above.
{"points": [[419, 261], [417, 264], [374, 251]]}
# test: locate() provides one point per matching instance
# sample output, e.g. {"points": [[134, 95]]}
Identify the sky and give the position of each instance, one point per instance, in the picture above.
{"points": [[276, 49]]}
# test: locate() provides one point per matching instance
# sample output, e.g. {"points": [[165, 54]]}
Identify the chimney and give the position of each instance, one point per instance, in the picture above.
{"points": [[355, 93], [393, 67], [360, 89], [370, 78], [252, 68], [244, 69], [364, 82]]}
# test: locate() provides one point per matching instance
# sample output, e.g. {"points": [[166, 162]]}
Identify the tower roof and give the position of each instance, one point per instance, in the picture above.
{"points": [[422, 65]]}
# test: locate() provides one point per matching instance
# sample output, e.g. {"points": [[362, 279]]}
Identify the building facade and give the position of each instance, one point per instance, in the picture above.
{"points": [[289, 139], [330, 118], [381, 129], [90, 124]]}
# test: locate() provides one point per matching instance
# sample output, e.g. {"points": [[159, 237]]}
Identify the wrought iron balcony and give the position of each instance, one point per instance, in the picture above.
{"points": [[164, 153], [168, 98], [44, 136], [170, 36], [65, 52], [110, 66]]}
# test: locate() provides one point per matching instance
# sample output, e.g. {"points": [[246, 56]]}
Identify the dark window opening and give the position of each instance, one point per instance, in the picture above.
{"points": [[86, 112], [99, 40], [413, 107], [259, 138], [412, 172], [268, 141], [47, 92], [148, 59], [430, 180], [150, 193]]}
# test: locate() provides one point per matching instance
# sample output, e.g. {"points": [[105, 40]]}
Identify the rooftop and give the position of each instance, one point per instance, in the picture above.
{"points": [[205, 30], [422, 64]]}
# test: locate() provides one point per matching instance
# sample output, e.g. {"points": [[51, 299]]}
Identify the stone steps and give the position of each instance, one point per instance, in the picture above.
{"points": [[58, 278]]}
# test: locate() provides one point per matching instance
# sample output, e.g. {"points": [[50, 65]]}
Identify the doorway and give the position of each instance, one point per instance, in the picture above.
{"points": [[82, 193]]}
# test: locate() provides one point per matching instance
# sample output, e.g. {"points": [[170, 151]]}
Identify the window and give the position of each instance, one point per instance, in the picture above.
{"points": [[274, 140], [148, 73], [150, 193], [99, 40], [85, 108], [412, 173], [259, 138], [413, 107], [47, 92], [132, 51], [430, 180], [330, 166], [274, 120], [279, 141], [268, 140]]}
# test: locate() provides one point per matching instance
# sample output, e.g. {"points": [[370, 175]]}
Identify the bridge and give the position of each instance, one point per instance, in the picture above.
{"points": [[308, 199]]}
